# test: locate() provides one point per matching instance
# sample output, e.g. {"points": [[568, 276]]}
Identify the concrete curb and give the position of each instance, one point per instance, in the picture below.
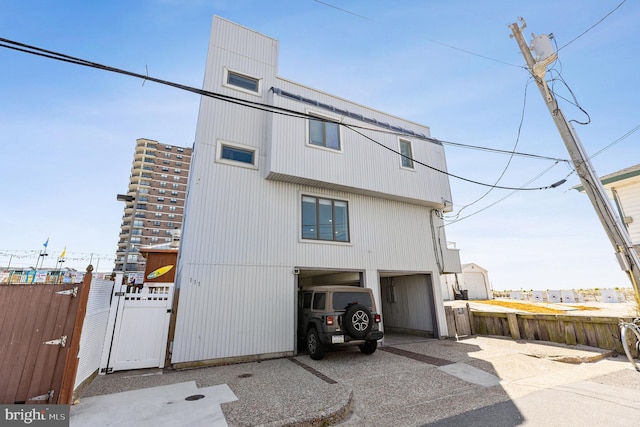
{"points": [[330, 416]]}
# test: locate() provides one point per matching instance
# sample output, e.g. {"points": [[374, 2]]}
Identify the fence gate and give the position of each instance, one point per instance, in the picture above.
{"points": [[138, 327], [40, 326]]}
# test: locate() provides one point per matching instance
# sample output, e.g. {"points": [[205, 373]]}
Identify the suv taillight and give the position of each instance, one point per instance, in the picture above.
{"points": [[377, 318], [329, 320]]}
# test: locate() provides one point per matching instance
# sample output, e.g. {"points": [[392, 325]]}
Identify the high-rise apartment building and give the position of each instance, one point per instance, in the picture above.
{"points": [[154, 202]]}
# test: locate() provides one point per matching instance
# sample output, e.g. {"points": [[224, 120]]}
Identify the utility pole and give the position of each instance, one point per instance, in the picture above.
{"points": [[618, 235]]}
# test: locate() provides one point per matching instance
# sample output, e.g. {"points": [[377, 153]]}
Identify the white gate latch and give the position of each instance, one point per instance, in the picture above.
{"points": [[62, 341]]}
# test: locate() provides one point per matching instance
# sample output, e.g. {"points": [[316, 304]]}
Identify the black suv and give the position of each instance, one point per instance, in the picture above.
{"points": [[337, 315]]}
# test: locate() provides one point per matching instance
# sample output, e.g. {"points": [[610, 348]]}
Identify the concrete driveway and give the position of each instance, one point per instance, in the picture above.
{"points": [[479, 381]]}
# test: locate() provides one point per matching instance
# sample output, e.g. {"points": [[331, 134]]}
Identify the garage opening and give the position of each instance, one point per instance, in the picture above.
{"points": [[306, 278], [408, 307]]}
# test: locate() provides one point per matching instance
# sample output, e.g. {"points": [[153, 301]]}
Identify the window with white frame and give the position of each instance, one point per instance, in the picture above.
{"points": [[406, 149], [232, 153], [324, 133], [325, 219], [241, 82]]}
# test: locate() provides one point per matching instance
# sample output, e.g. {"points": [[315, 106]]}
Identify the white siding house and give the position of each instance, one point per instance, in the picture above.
{"points": [[279, 200], [624, 189]]}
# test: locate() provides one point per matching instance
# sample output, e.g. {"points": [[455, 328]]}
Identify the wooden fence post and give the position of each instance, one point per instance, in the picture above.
{"points": [[512, 318], [472, 323]]}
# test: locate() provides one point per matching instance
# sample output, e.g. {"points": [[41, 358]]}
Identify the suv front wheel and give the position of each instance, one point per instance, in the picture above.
{"points": [[315, 348]]}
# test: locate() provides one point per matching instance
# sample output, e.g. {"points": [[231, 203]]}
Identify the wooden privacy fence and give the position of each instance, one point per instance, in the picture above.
{"points": [[593, 331], [40, 328]]}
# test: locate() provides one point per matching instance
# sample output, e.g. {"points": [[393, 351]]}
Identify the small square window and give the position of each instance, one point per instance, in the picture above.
{"points": [[406, 150], [242, 81]]}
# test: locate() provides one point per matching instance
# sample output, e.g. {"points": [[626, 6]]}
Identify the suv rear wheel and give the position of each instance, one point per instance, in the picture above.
{"points": [[368, 347], [314, 346]]}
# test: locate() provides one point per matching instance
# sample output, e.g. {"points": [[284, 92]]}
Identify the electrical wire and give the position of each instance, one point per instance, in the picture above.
{"points": [[554, 185], [504, 170], [429, 39], [623, 137], [451, 222], [460, 145], [10, 44], [593, 26], [342, 10]]}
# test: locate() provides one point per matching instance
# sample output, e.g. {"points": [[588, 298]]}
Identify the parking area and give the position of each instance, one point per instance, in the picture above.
{"points": [[475, 381]]}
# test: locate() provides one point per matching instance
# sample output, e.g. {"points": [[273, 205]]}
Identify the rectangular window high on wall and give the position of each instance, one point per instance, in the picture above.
{"points": [[241, 81], [325, 219], [232, 153], [407, 153], [324, 133]]}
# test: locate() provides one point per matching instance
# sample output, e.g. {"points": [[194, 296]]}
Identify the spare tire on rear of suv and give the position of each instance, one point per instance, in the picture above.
{"points": [[357, 320]]}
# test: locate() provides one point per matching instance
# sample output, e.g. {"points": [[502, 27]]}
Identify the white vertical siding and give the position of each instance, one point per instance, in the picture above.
{"points": [[94, 329], [241, 235], [630, 200], [363, 166]]}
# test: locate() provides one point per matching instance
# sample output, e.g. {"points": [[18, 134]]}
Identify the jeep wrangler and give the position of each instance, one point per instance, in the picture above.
{"points": [[337, 315]]}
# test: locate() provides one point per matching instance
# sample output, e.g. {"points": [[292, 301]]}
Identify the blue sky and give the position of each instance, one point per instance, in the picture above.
{"points": [[67, 132]]}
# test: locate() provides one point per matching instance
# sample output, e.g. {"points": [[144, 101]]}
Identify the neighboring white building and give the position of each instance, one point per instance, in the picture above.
{"points": [[624, 189], [278, 201], [473, 279]]}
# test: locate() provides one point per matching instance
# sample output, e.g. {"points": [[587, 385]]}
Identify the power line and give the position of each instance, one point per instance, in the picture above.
{"points": [[460, 145], [593, 26], [428, 39], [504, 170], [10, 44], [342, 10], [626, 135], [451, 222], [554, 185]]}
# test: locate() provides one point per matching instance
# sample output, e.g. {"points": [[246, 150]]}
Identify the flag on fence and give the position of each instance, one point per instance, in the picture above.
{"points": [[46, 243], [64, 252]]}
